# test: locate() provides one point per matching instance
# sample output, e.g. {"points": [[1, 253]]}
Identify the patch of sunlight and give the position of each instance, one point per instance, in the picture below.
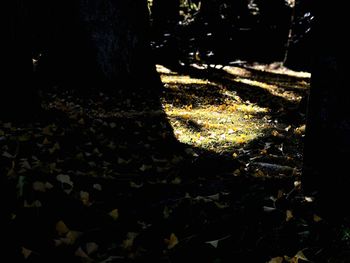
{"points": [[164, 70], [238, 71], [273, 89], [278, 68], [215, 128], [183, 80]]}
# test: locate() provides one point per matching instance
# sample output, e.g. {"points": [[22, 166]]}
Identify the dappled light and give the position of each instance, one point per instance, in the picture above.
{"points": [[174, 131], [209, 115], [213, 118]]}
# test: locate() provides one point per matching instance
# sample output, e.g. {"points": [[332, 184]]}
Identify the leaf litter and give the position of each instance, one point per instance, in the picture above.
{"points": [[102, 183]]}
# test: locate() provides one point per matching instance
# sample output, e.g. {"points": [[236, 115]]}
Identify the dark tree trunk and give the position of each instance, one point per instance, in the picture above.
{"points": [[101, 44], [165, 15], [327, 145], [17, 98]]}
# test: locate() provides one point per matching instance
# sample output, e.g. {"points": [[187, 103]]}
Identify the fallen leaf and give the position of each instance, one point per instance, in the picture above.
{"points": [[85, 198], [114, 214], [176, 180], [72, 237], [61, 228], [63, 178], [39, 186], [54, 148], [145, 167], [167, 212], [26, 252], [316, 218], [172, 241], [214, 243], [269, 209], [97, 187], [47, 130], [46, 141], [81, 121], [8, 155], [35, 204], [237, 172], [129, 241], [135, 185], [276, 260], [91, 247], [80, 253], [289, 215]]}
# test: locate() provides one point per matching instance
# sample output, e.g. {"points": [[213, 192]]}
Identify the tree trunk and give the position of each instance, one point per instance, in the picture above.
{"points": [[327, 144], [17, 98], [101, 44], [165, 15]]}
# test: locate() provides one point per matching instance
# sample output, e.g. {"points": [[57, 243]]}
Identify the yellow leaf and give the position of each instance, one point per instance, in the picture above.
{"points": [[263, 152], [84, 197], [39, 186], [177, 180], [172, 241], [26, 252], [129, 241], [275, 133], [237, 172], [145, 167], [276, 260], [81, 121], [61, 228], [289, 215], [72, 236], [317, 218], [259, 173], [114, 214], [46, 141]]}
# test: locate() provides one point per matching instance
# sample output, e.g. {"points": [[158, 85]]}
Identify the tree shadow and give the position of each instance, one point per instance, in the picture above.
{"points": [[247, 91]]}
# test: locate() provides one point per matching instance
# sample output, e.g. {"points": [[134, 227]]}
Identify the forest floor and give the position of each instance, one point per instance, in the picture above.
{"points": [[106, 181]]}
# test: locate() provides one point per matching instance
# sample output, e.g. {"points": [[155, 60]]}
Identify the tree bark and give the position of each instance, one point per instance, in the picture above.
{"points": [[17, 98], [327, 144], [101, 44]]}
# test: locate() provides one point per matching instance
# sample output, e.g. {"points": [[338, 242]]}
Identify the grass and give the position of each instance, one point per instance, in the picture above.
{"points": [[212, 116]]}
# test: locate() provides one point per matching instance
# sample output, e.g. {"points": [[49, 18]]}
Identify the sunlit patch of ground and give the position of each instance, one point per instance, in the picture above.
{"points": [[210, 116], [214, 128]]}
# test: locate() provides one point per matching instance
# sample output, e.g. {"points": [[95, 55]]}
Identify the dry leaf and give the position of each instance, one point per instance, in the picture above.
{"points": [[289, 215], [317, 218], [91, 247], [39, 186], [72, 237], [46, 141], [214, 243], [61, 228], [172, 241], [26, 252], [80, 253], [276, 260], [129, 241], [97, 187], [135, 185], [114, 214], [176, 180], [85, 198]]}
